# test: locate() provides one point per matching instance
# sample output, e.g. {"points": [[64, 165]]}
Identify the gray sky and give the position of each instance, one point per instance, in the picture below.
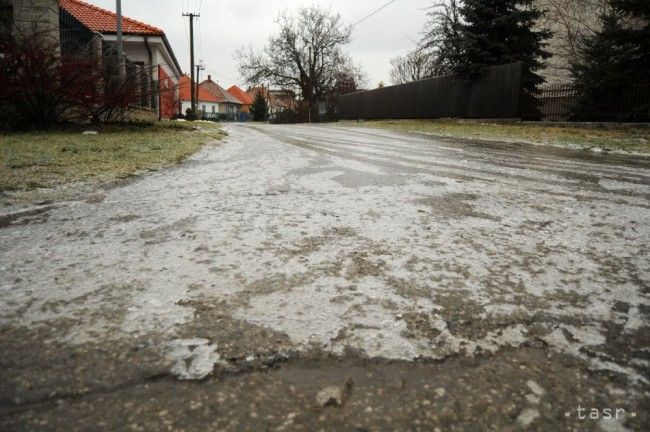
{"points": [[227, 24]]}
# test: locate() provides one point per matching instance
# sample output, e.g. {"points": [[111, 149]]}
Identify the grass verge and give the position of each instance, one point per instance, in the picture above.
{"points": [[626, 138], [30, 160]]}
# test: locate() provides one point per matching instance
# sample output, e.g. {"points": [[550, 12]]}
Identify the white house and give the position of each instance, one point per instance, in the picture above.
{"points": [[144, 45], [208, 104]]}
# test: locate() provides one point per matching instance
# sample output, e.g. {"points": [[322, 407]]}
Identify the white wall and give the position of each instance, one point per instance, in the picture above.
{"points": [[136, 50], [231, 108], [208, 106]]}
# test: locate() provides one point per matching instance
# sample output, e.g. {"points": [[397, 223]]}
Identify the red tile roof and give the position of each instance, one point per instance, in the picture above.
{"points": [[240, 94], [185, 95], [105, 21], [218, 92]]}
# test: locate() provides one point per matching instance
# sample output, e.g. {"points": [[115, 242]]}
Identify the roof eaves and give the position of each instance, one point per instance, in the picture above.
{"points": [[171, 53], [73, 8]]}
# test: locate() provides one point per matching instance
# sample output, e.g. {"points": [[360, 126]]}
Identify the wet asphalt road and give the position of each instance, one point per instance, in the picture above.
{"points": [[424, 283]]}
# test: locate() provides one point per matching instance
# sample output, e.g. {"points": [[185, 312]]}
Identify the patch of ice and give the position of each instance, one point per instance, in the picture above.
{"points": [[192, 359], [626, 186], [527, 416]]}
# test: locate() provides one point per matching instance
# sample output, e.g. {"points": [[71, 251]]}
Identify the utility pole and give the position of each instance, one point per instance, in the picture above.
{"points": [[121, 67], [120, 48], [192, 87], [309, 86], [199, 68]]}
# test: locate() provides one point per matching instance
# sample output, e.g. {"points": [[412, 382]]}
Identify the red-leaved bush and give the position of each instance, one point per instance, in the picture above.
{"points": [[40, 87]]}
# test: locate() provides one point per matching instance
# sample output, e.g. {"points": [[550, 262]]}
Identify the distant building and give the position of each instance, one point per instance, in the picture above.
{"points": [[275, 105], [287, 97], [207, 103], [227, 103], [243, 97]]}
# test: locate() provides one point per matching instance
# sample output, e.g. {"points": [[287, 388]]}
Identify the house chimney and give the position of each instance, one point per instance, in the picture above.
{"points": [[209, 77]]}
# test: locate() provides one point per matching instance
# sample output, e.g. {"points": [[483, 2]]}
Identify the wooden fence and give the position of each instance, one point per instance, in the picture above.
{"points": [[560, 102], [496, 95]]}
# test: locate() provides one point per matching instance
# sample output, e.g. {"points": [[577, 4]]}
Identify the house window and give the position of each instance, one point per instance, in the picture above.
{"points": [[203, 108], [213, 107]]}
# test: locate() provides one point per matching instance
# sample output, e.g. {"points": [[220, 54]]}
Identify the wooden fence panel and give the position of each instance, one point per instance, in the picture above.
{"points": [[496, 95]]}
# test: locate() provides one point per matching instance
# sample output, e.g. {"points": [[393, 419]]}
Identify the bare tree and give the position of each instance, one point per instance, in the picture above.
{"points": [[412, 67], [570, 22], [441, 42], [307, 54], [439, 49]]}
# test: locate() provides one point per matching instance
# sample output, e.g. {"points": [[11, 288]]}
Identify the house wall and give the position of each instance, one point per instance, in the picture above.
{"points": [[75, 38], [136, 50], [162, 68], [32, 17], [168, 95], [161, 58], [228, 108], [569, 21], [221, 108], [185, 105]]}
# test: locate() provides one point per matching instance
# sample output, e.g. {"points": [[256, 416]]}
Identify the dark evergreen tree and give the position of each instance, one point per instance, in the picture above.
{"points": [[501, 31], [441, 45], [614, 61], [637, 33], [260, 108]]}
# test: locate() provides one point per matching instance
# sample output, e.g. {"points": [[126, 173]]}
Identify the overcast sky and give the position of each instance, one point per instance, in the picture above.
{"points": [[227, 24]]}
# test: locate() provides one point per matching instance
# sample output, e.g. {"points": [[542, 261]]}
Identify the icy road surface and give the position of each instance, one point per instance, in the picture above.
{"points": [[286, 240]]}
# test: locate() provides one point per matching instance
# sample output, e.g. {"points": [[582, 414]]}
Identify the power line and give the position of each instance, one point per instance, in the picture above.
{"points": [[196, 6], [191, 7], [200, 32], [199, 3], [372, 13], [187, 37]]}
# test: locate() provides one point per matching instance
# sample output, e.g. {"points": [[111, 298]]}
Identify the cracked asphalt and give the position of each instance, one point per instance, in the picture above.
{"points": [[321, 277]]}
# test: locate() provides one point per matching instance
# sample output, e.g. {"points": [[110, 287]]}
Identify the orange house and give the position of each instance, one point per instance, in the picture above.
{"points": [[245, 98], [207, 103]]}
